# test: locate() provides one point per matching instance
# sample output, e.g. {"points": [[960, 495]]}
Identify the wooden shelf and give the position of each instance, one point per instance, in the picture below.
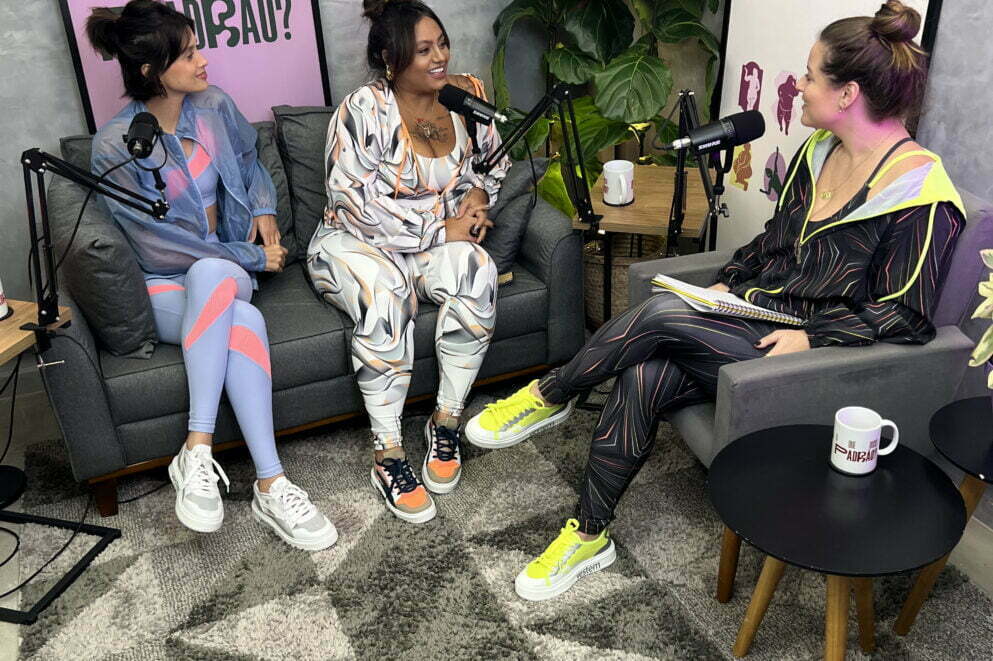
{"points": [[13, 340], [649, 213]]}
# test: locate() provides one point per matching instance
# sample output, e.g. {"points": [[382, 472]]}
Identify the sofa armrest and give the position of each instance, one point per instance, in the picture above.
{"points": [[699, 269], [553, 252], [78, 397], [905, 383]]}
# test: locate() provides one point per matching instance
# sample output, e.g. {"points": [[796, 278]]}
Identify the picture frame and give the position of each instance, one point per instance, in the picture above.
{"points": [[248, 54]]}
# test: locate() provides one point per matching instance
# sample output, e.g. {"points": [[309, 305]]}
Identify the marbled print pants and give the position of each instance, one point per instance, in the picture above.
{"points": [[379, 290]]}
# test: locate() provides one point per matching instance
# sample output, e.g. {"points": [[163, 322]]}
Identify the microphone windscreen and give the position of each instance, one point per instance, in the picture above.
{"points": [[145, 118], [452, 97], [748, 126]]}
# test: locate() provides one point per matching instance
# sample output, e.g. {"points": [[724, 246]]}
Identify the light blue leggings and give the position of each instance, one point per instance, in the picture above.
{"points": [[225, 345]]}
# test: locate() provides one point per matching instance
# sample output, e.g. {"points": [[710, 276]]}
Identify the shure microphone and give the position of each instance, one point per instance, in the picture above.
{"points": [[725, 133], [474, 108], [141, 135]]}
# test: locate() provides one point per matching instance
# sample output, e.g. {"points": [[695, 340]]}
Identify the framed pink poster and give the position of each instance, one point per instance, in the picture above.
{"points": [[261, 52]]}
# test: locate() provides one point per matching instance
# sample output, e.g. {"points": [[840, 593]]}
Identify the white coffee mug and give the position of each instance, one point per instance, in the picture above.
{"points": [[618, 183], [855, 447], [4, 308]]}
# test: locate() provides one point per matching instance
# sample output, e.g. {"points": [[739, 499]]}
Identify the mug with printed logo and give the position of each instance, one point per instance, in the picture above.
{"points": [[618, 183], [5, 310], [855, 445]]}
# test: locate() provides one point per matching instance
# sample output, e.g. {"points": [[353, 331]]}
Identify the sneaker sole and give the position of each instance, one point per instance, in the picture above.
{"points": [[599, 562], [478, 436], [316, 545], [416, 517], [432, 486], [189, 519]]}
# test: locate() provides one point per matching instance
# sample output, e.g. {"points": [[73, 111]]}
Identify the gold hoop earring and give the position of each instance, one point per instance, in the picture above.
{"points": [[389, 73]]}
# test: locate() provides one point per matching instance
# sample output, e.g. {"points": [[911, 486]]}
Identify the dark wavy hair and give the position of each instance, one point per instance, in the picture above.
{"points": [[392, 32], [879, 53], [144, 32]]}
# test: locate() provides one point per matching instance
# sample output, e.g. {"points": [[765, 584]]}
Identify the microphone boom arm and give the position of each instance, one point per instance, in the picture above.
{"points": [[578, 179], [38, 162]]}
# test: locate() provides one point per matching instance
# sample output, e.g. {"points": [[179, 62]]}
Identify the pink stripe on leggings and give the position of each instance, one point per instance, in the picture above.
{"points": [[248, 344], [161, 289], [219, 301]]}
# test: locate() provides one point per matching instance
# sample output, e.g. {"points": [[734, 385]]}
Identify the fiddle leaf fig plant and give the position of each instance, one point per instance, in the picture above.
{"points": [[613, 52], [983, 352]]}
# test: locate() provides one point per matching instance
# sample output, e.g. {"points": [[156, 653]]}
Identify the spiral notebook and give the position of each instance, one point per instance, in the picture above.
{"points": [[718, 302]]}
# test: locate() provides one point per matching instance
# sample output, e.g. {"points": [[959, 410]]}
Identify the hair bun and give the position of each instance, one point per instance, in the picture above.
{"points": [[101, 29], [895, 22], [373, 9]]}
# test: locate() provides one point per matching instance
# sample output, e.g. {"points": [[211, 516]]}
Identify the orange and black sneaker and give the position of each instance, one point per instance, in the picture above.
{"points": [[442, 463], [405, 496]]}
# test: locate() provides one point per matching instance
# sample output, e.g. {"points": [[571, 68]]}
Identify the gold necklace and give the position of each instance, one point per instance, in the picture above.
{"points": [[826, 195]]}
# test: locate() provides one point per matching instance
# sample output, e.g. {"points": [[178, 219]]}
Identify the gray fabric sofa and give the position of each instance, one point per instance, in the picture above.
{"points": [[121, 415], [905, 383]]}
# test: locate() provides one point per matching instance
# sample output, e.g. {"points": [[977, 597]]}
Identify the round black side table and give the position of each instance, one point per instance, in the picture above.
{"points": [[776, 490], [963, 433]]}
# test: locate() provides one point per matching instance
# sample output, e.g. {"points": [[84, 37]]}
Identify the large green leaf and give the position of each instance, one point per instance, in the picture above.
{"points": [[713, 5], [645, 11], [570, 66], [692, 7], [633, 88], [552, 190], [596, 132], [601, 28], [534, 138], [502, 27]]}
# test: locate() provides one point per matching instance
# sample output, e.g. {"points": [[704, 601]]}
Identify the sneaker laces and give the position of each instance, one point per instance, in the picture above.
{"points": [[513, 402], [296, 503], [201, 479], [552, 557], [401, 475], [446, 442]]}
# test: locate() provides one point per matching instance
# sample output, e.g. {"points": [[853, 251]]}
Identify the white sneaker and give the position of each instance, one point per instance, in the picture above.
{"points": [[198, 501], [288, 511]]}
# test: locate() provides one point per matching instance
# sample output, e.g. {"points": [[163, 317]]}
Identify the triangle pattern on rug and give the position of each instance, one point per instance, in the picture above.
{"points": [[302, 627]]}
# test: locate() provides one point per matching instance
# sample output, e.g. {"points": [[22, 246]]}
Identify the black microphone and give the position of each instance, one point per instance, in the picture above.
{"points": [[474, 108], [725, 133], [141, 135]]}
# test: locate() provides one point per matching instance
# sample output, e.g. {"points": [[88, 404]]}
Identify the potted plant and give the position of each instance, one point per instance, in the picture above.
{"points": [[983, 352], [592, 44]]}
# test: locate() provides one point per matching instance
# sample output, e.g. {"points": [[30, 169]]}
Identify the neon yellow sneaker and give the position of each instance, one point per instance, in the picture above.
{"points": [[509, 421], [565, 561]]}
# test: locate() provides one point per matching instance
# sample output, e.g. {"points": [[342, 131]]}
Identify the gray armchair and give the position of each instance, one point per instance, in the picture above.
{"points": [[906, 383]]}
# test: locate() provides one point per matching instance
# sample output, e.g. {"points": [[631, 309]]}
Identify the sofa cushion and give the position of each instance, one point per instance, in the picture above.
{"points": [[503, 240], [100, 272], [519, 180], [306, 339], [301, 132], [268, 152]]}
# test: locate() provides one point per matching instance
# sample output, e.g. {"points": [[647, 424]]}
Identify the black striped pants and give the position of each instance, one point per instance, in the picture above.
{"points": [[665, 356]]}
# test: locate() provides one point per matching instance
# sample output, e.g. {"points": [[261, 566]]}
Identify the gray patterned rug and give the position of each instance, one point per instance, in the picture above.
{"points": [[443, 590]]}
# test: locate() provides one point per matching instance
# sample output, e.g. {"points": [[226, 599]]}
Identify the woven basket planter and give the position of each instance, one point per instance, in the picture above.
{"points": [[626, 251]]}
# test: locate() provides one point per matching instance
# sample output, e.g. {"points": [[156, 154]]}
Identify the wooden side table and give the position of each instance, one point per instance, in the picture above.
{"points": [[13, 340], [654, 186], [963, 433], [775, 489]]}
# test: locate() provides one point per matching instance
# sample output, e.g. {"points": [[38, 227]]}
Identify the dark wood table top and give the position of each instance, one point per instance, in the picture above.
{"points": [[963, 434], [776, 489]]}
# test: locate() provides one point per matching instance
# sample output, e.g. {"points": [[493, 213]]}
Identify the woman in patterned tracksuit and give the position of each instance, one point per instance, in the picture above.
{"points": [[858, 247], [404, 220]]}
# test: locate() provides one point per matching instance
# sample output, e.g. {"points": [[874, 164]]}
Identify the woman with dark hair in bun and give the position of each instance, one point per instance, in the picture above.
{"points": [[404, 220], [199, 262], [858, 246]]}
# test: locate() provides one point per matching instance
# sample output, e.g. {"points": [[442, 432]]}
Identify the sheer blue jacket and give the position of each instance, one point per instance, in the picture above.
{"points": [[245, 190]]}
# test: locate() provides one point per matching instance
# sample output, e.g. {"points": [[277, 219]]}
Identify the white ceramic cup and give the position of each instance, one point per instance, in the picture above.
{"points": [[618, 183], [4, 308], [855, 447]]}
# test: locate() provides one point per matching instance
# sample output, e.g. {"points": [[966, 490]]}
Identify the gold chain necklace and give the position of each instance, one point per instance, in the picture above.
{"points": [[826, 195]]}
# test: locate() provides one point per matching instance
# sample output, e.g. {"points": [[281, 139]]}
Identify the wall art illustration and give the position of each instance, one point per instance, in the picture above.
{"points": [[741, 167], [750, 88]]}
